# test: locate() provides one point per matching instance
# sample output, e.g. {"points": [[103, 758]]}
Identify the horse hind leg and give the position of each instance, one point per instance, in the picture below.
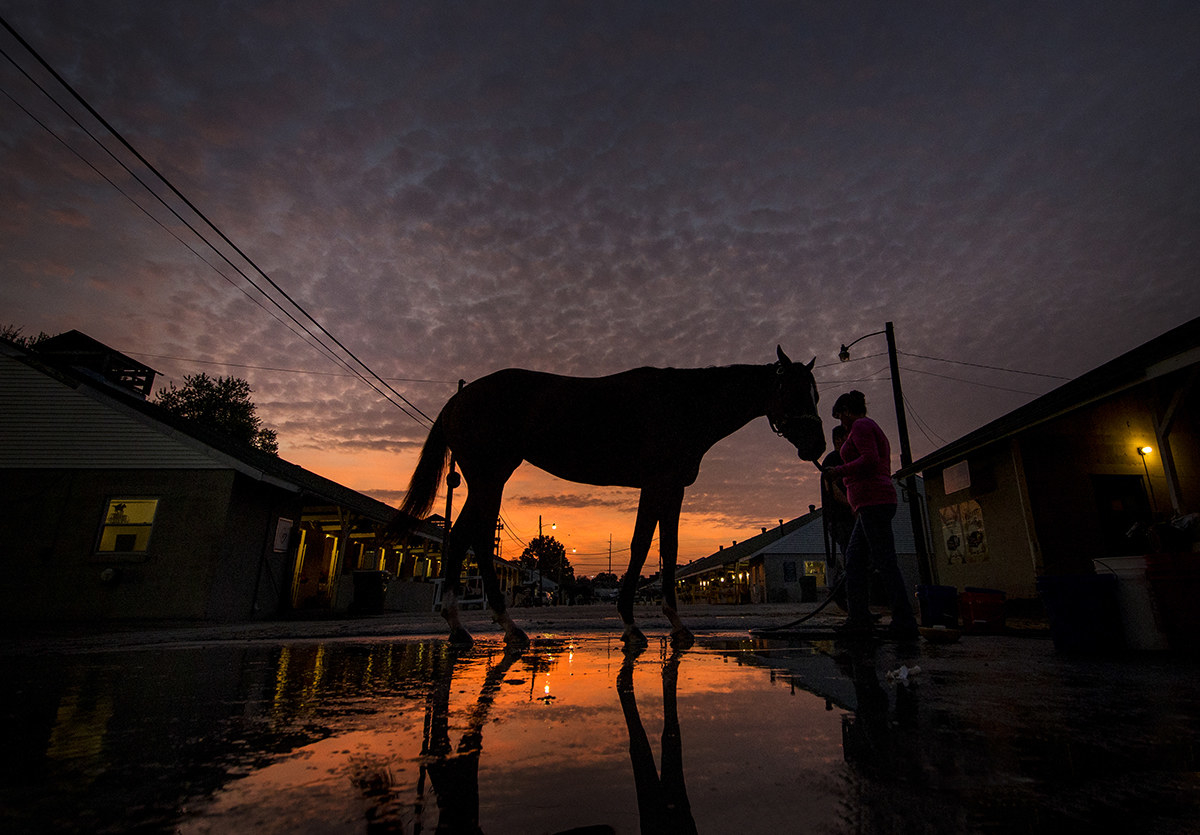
{"points": [[454, 550], [514, 636], [479, 513]]}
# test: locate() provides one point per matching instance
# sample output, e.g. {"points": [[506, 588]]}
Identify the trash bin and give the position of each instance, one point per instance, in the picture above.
{"points": [[370, 588], [808, 588], [1138, 618], [1083, 612], [938, 605]]}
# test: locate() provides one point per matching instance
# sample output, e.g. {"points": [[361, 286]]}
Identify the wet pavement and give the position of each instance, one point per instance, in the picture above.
{"points": [[377, 725]]}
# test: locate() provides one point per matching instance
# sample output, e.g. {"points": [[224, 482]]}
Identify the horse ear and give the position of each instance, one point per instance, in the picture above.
{"points": [[783, 358], [811, 364]]}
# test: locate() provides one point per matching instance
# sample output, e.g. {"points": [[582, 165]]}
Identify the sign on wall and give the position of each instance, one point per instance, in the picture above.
{"points": [[283, 534], [956, 477]]}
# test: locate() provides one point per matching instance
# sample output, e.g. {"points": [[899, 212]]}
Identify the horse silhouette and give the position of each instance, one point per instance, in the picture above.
{"points": [[647, 428]]}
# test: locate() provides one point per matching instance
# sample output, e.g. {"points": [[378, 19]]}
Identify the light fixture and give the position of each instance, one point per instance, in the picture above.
{"points": [[1144, 451], [844, 354]]}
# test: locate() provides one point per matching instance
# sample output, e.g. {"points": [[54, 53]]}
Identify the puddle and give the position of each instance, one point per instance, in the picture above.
{"points": [[411, 736]]}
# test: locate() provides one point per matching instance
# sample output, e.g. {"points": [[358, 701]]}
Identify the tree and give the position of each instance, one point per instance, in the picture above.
{"points": [[222, 404], [15, 334], [606, 580], [547, 555]]}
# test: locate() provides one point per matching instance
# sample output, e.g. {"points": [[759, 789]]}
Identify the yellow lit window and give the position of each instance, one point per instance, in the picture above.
{"points": [[127, 526]]}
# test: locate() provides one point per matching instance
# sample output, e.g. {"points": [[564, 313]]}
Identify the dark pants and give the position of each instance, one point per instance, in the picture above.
{"points": [[871, 542]]}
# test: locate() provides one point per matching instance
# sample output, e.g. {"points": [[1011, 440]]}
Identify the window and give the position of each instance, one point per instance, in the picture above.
{"points": [[127, 526]]}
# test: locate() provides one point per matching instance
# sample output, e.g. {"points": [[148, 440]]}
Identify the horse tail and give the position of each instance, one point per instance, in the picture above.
{"points": [[427, 477]]}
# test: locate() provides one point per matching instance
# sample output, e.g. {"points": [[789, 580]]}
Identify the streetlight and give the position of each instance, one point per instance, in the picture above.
{"points": [[910, 482]]}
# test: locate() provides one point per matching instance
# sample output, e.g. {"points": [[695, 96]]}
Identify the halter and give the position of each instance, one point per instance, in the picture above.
{"points": [[782, 425]]}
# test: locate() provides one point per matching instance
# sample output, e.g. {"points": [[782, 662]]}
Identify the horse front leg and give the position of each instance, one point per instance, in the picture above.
{"points": [[668, 545], [643, 535]]}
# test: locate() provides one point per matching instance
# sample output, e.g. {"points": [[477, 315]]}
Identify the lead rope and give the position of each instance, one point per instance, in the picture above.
{"points": [[832, 592]]}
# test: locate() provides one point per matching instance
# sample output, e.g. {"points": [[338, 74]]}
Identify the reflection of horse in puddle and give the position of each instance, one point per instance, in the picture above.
{"points": [[663, 804], [453, 771], [647, 428]]}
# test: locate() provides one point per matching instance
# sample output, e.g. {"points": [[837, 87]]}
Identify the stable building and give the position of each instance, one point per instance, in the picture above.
{"points": [[118, 510], [1103, 467]]}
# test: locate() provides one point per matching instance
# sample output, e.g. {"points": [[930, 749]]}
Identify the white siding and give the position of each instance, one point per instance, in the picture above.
{"points": [[47, 423]]}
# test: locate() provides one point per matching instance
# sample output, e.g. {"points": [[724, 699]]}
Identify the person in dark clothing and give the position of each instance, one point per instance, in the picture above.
{"points": [[838, 519]]}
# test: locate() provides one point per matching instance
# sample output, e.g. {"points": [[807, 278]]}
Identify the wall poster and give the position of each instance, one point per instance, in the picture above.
{"points": [[963, 533]]}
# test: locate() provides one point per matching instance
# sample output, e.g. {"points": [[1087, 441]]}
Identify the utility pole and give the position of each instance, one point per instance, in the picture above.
{"points": [[924, 565]]}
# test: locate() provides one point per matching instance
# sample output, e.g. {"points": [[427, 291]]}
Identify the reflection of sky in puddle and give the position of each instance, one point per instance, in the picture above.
{"points": [[403, 736], [547, 740], [733, 735]]}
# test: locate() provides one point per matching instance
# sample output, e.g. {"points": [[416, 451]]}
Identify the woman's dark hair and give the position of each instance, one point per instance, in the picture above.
{"points": [[852, 402]]}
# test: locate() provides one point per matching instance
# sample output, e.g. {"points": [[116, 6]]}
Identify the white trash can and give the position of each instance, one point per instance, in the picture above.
{"points": [[1134, 599]]}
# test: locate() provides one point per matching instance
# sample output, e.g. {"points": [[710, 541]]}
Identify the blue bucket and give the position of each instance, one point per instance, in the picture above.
{"points": [[938, 605]]}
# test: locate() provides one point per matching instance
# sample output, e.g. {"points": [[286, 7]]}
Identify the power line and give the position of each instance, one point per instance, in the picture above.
{"points": [[209, 223], [989, 367], [309, 338], [971, 382], [315, 344], [923, 425]]}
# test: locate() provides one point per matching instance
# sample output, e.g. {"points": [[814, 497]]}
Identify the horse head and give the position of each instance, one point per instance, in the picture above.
{"points": [[792, 407]]}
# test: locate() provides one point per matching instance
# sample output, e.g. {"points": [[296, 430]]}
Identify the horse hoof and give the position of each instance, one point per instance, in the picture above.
{"points": [[460, 638], [682, 638], [516, 639], [634, 639]]}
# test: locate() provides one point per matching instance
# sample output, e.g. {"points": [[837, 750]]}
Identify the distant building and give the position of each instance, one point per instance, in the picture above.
{"points": [[781, 564], [115, 509]]}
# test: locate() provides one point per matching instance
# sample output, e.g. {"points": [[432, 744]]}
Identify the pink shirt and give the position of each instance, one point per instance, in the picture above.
{"points": [[867, 468]]}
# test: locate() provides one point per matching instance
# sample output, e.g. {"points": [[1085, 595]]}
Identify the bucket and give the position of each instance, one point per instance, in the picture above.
{"points": [[981, 610], [1174, 586], [1083, 612], [1138, 619], [938, 605]]}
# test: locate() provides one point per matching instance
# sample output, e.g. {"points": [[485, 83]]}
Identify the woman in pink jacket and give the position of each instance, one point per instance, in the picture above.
{"points": [[866, 469]]}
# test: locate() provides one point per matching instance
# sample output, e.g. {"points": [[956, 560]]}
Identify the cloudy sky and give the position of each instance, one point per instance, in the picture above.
{"points": [[581, 187]]}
